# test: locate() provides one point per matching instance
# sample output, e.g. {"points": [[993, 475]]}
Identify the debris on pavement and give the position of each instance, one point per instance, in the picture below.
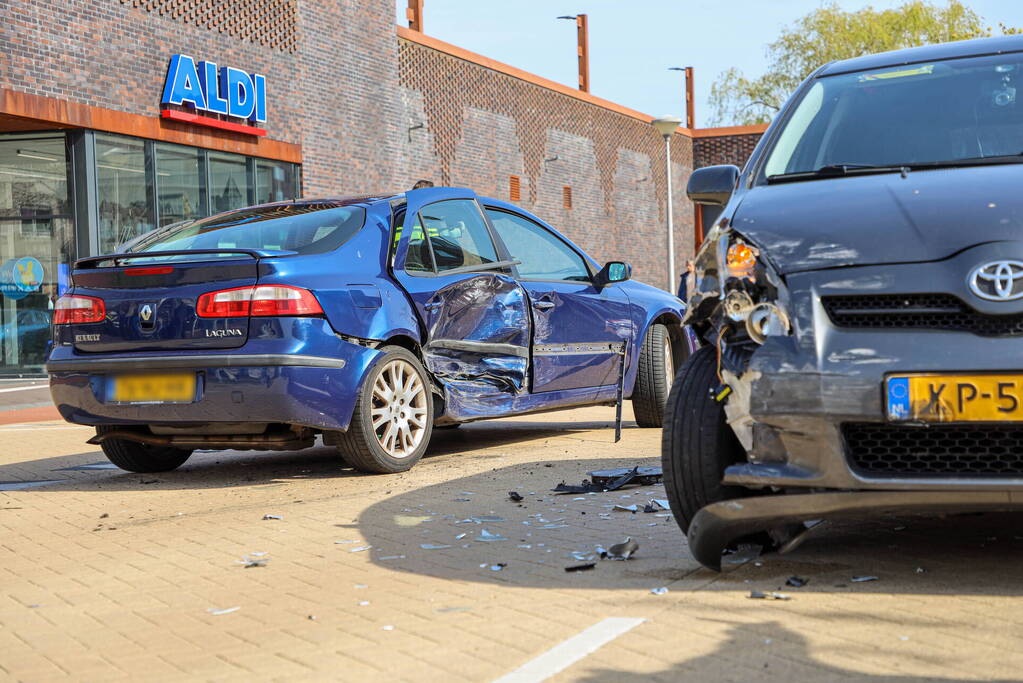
{"points": [[266, 517], [659, 591], [217, 612], [621, 551], [392, 557], [360, 549], [614, 479], [864, 579], [625, 508], [768, 595], [796, 581], [498, 567], [515, 495], [581, 567], [433, 546], [656, 505], [611, 480], [488, 537], [254, 560], [744, 553]]}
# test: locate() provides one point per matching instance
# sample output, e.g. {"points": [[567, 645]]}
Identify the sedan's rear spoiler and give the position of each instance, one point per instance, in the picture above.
{"points": [[119, 259]]}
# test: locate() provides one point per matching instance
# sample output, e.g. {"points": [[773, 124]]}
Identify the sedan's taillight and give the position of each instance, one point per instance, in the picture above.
{"points": [[263, 300], [72, 309]]}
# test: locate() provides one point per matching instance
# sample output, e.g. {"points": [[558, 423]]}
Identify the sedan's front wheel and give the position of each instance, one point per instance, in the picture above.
{"points": [[393, 417], [654, 376]]}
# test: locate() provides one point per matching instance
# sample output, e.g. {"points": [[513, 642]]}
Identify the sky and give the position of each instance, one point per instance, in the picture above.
{"points": [[633, 42]]}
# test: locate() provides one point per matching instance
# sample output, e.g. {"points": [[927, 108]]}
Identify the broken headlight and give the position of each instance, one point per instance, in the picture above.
{"points": [[752, 293]]}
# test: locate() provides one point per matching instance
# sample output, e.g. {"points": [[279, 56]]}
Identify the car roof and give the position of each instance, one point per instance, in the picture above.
{"points": [[927, 53]]}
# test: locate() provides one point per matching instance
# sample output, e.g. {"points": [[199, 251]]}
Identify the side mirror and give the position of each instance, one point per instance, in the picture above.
{"points": [[614, 271], [712, 184]]}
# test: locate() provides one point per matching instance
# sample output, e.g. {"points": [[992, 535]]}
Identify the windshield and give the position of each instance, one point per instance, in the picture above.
{"points": [[304, 228], [918, 114]]}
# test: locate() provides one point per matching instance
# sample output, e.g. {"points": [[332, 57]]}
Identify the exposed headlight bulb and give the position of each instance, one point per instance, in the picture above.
{"points": [[766, 320], [741, 259]]}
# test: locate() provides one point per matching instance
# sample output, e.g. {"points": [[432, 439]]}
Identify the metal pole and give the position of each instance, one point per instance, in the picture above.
{"points": [[690, 103], [671, 226], [583, 50]]}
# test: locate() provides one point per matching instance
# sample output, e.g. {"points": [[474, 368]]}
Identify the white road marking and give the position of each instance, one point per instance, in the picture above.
{"points": [[37, 386], [567, 653]]}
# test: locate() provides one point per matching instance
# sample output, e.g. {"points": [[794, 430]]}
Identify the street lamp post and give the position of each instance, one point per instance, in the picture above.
{"points": [[582, 48], [666, 126]]}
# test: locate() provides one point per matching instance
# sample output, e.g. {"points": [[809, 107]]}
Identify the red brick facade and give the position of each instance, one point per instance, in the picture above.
{"points": [[373, 111]]}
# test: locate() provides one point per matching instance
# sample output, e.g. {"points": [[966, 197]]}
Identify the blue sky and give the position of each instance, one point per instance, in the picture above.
{"points": [[632, 43]]}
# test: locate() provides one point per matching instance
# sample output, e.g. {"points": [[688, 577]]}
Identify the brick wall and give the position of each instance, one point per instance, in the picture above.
{"points": [[724, 149], [467, 124]]}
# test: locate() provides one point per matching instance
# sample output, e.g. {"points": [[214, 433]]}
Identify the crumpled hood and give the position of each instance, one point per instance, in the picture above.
{"points": [[875, 219]]}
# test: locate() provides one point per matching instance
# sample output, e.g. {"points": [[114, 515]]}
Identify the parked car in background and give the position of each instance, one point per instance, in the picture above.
{"points": [[369, 320], [861, 304]]}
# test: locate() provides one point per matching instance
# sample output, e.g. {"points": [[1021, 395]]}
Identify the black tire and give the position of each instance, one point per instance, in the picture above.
{"points": [[654, 375], [697, 444], [139, 457], [361, 445]]}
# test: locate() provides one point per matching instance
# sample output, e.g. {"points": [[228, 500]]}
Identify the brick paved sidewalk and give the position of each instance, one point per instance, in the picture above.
{"points": [[107, 575]]}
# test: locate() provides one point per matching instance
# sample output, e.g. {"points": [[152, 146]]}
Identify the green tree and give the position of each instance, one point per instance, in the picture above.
{"points": [[827, 34]]}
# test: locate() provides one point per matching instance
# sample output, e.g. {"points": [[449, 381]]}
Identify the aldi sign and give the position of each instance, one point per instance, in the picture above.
{"points": [[206, 87]]}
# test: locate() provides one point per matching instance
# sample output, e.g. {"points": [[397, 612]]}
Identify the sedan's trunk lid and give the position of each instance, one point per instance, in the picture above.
{"points": [[151, 302]]}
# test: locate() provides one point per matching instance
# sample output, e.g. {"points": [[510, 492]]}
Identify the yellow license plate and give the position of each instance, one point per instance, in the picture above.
{"points": [[955, 398], [171, 387]]}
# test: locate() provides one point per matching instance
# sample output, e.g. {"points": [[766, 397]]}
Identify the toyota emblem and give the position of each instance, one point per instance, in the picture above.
{"points": [[997, 280], [146, 312]]}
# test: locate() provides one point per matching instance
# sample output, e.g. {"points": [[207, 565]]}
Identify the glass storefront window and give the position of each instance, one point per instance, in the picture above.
{"points": [[180, 185], [275, 181], [229, 182], [36, 230], [125, 190]]}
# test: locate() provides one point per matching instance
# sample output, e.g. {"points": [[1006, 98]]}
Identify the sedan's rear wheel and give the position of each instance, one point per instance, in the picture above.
{"points": [[393, 417], [139, 457]]}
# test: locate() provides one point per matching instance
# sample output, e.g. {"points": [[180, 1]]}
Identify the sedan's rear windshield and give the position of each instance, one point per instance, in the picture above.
{"points": [[927, 113], [301, 227]]}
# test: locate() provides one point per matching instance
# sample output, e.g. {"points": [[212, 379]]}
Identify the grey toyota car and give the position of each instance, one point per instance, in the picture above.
{"points": [[860, 305]]}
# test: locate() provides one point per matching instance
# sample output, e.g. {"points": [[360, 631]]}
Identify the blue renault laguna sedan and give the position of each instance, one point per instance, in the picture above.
{"points": [[368, 320]]}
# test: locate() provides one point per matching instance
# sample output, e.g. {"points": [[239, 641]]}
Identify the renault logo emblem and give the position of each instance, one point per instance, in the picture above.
{"points": [[997, 280], [146, 312]]}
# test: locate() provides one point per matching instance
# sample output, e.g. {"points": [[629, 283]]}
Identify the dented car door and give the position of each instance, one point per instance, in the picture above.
{"points": [[474, 314]]}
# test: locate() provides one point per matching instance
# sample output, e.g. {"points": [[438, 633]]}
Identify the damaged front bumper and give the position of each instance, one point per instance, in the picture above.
{"points": [[799, 396], [716, 525]]}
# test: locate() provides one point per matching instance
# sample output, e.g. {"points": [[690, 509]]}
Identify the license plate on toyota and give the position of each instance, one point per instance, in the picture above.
{"points": [[955, 398]]}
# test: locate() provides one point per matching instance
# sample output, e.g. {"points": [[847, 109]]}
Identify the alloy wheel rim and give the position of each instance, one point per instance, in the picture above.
{"points": [[669, 363], [399, 409]]}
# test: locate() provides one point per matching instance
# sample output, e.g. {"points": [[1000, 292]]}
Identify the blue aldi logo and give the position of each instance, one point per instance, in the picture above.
{"points": [[218, 90]]}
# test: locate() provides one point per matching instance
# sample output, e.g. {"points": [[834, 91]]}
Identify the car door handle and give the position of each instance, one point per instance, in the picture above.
{"points": [[543, 305]]}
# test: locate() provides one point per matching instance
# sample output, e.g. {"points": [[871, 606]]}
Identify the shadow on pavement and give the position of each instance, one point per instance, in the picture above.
{"points": [[748, 653], [213, 469]]}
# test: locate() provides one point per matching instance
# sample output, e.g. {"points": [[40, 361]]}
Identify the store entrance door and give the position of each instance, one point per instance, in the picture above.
{"points": [[36, 233]]}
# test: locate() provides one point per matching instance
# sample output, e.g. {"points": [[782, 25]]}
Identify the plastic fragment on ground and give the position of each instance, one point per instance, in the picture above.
{"points": [[625, 508], [768, 595], [498, 567], [217, 612], [433, 546], [659, 591], [515, 496], [864, 579], [621, 551], [488, 537], [614, 479], [265, 517], [360, 549], [392, 557], [796, 581], [581, 567]]}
